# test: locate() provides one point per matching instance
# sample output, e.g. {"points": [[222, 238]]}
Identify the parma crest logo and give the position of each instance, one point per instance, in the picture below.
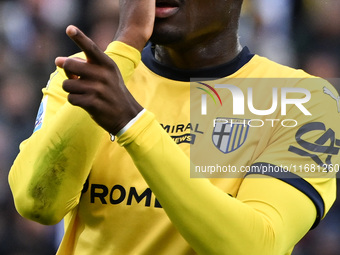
{"points": [[229, 134]]}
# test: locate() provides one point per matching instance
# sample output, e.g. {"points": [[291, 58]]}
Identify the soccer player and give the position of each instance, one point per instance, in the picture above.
{"points": [[131, 192]]}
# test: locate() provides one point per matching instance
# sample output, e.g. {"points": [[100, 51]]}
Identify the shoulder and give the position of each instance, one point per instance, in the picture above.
{"points": [[261, 67], [266, 68]]}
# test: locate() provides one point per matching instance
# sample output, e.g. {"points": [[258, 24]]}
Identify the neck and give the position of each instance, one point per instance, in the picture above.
{"points": [[207, 52]]}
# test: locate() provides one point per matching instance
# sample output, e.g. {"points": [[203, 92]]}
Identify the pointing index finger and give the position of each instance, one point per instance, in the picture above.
{"points": [[91, 50]]}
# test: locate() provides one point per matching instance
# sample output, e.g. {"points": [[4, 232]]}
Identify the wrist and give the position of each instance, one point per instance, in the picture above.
{"points": [[136, 41], [125, 119], [127, 126]]}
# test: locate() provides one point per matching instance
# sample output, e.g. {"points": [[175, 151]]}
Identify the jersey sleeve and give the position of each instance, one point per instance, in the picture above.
{"points": [[48, 174], [307, 156], [212, 222]]}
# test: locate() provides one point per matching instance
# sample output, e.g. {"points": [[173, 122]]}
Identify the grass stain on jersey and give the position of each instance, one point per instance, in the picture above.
{"points": [[46, 183]]}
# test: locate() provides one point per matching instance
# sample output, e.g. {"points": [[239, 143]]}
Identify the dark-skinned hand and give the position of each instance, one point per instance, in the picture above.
{"points": [[136, 20], [95, 84]]}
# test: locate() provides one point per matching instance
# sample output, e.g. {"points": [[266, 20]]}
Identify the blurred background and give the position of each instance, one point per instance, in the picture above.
{"points": [[299, 33]]}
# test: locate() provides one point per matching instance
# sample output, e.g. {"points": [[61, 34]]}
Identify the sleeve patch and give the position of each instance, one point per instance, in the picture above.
{"points": [[40, 116]]}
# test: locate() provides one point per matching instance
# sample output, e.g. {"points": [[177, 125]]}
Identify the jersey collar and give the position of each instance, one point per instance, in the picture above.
{"points": [[215, 72]]}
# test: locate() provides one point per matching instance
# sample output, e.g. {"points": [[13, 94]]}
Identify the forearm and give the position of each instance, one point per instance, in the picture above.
{"points": [[208, 218], [47, 176], [125, 56]]}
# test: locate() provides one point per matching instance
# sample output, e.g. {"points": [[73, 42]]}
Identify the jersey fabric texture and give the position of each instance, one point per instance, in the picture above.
{"points": [[135, 195]]}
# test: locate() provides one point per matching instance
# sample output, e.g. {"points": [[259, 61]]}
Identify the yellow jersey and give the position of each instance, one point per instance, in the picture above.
{"points": [[178, 181]]}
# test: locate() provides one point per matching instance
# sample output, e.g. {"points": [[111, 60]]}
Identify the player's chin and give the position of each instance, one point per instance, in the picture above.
{"points": [[169, 35], [169, 30]]}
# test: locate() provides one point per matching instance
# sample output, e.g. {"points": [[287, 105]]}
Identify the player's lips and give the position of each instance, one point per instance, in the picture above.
{"points": [[166, 8]]}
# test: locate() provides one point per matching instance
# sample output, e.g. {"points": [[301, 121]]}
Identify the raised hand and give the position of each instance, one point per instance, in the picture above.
{"points": [[96, 85], [136, 21]]}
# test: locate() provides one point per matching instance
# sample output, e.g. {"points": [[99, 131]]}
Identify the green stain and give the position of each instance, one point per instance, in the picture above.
{"points": [[46, 183]]}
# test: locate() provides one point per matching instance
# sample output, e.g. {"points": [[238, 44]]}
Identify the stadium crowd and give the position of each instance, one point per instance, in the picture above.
{"points": [[300, 33]]}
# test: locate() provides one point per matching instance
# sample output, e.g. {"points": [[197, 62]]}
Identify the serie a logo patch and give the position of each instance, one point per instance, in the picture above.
{"points": [[40, 116]]}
